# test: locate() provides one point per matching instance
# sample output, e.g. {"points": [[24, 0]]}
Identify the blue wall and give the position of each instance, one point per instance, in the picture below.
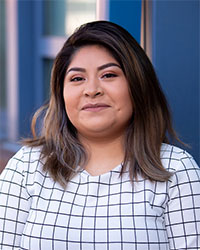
{"points": [[176, 60], [127, 13], [26, 50]]}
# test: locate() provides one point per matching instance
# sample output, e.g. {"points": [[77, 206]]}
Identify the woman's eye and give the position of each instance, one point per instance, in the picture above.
{"points": [[77, 79], [109, 75]]}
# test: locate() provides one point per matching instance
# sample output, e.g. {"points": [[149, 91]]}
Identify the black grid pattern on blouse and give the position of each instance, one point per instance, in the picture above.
{"points": [[99, 212]]}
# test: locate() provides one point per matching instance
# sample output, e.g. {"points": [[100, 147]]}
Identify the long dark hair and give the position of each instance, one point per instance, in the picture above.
{"points": [[148, 128]]}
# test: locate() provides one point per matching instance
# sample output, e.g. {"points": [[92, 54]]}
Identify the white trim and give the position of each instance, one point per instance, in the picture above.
{"points": [[12, 69], [142, 28], [49, 46], [146, 28], [102, 9]]}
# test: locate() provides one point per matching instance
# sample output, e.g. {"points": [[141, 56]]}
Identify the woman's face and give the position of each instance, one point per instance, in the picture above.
{"points": [[96, 94]]}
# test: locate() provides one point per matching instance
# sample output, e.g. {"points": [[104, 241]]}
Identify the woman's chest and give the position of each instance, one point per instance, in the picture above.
{"points": [[95, 215]]}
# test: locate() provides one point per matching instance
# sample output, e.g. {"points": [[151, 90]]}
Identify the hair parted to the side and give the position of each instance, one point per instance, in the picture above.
{"points": [[150, 124]]}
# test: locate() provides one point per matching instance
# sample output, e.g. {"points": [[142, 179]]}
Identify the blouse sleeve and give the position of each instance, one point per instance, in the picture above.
{"points": [[182, 214], [14, 203]]}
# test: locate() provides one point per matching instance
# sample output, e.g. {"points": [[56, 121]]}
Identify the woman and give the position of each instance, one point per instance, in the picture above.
{"points": [[101, 174]]}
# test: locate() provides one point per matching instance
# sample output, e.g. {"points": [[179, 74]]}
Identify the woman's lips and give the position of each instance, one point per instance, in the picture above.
{"points": [[95, 107]]}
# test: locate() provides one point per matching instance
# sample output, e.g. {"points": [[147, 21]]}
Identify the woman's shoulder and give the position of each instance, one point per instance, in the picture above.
{"points": [[168, 150], [26, 153], [174, 158], [26, 159], [24, 168]]}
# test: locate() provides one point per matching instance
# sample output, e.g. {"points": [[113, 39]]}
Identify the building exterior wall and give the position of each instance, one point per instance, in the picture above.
{"points": [[176, 55]]}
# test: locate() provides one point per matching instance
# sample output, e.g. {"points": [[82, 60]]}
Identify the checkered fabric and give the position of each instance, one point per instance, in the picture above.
{"points": [[103, 212]]}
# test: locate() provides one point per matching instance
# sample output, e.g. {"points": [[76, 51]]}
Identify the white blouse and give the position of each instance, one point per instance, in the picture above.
{"points": [[103, 212]]}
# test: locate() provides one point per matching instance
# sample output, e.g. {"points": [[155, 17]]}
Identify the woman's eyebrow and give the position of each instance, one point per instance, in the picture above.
{"points": [[76, 69], [104, 66]]}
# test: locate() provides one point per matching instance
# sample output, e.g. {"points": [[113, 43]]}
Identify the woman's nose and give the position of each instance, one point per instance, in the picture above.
{"points": [[93, 88]]}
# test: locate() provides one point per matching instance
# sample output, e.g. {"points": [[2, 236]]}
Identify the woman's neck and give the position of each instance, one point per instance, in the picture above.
{"points": [[103, 154]]}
